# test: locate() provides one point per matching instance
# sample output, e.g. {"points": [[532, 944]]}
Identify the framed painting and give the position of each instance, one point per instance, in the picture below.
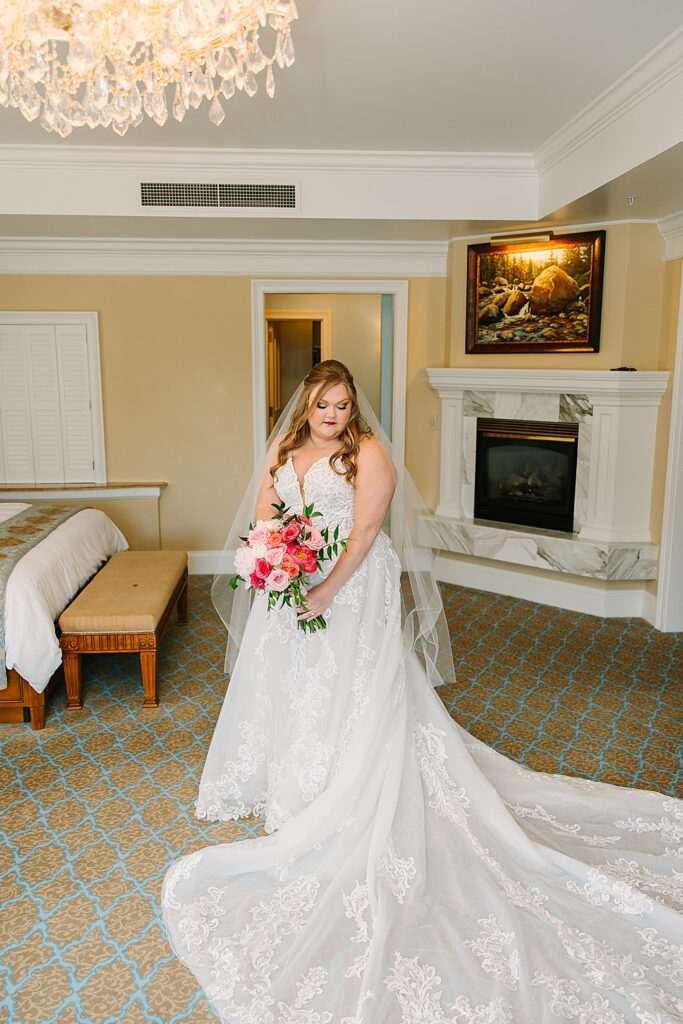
{"points": [[536, 295]]}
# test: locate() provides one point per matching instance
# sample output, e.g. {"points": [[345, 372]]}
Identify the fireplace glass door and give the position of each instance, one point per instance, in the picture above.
{"points": [[526, 472]]}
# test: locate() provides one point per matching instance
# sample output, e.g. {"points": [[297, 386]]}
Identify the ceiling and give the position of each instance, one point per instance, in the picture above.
{"points": [[450, 76]]}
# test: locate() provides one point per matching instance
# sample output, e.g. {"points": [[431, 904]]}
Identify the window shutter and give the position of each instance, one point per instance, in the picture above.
{"points": [[74, 386], [47, 429], [15, 405]]}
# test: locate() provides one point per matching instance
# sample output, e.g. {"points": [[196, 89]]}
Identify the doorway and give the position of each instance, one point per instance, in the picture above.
{"points": [[295, 341], [393, 296]]}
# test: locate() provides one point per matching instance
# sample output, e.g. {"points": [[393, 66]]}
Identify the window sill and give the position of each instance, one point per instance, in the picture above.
{"points": [[92, 492]]}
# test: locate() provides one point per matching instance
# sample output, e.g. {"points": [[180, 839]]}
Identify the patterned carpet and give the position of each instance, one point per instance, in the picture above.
{"points": [[94, 808]]}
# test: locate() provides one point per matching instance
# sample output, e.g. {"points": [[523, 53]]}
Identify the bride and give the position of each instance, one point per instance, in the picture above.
{"points": [[412, 875]]}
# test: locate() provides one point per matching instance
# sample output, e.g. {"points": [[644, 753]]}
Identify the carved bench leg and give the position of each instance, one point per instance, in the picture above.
{"points": [[182, 605], [148, 664], [72, 677]]}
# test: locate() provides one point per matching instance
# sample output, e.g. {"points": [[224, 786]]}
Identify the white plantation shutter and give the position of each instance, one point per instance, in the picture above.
{"points": [[15, 408], [50, 403], [74, 386], [48, 465]]}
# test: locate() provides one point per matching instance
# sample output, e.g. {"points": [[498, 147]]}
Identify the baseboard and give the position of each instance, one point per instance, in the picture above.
{"points": [[608, 600], [203, 563]]}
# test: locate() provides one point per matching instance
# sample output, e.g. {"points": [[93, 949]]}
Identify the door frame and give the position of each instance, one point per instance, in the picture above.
{"points": [[323, 315], [339, 286]]}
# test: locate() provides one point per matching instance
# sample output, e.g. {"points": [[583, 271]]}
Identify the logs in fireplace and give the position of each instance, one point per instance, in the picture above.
{"points": [[526, 472]]}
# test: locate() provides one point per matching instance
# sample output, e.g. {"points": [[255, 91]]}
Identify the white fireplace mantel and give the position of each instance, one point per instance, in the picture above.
{"points": [[617, 416], [622, 386]]}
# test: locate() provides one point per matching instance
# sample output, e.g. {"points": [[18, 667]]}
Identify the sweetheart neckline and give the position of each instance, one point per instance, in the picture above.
{"points": [[302, 483]]}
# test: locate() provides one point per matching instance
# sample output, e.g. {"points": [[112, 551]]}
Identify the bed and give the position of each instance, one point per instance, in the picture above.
{"points": [[45, 566]]}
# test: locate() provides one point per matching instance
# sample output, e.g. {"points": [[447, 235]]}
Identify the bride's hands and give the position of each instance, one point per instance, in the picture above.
{"points": [[318, 599]]}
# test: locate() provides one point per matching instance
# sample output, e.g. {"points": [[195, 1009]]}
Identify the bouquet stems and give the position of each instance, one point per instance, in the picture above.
{"points": [[311, 625]]}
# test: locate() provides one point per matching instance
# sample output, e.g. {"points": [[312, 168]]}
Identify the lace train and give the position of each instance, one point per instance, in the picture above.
{"points": [[415, 875]]}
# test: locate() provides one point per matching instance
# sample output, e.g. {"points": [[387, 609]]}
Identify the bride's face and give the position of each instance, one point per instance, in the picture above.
{"points": [[328, 417]]}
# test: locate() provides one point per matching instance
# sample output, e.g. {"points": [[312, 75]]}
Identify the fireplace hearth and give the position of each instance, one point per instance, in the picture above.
{"points": [[525, 472]]}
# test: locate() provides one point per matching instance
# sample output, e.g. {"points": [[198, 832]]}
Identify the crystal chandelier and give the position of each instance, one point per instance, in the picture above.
{"points": [[110, 62]]}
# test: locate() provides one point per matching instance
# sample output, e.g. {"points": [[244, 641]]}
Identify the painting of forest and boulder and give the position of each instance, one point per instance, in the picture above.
{"points": [[536, 296]]}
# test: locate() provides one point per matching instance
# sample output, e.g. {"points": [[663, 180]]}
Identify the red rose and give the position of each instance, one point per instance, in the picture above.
{"points": [[291, 532], [262, 568], [311, 563], [257, 581]]}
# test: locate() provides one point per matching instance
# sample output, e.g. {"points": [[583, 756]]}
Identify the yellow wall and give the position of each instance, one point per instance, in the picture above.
{"points": [[176, 382], [176, 371], [631, 308], [639, 316], [177, 386], [356, 332]]}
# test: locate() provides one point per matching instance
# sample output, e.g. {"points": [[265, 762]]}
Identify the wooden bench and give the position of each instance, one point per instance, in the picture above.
{"points": [[124, 608]]}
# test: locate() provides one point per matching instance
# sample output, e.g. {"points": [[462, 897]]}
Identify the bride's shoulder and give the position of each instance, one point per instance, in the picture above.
{"points": [[372, 456]]}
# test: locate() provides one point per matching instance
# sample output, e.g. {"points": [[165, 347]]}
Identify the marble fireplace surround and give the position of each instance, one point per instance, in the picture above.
{"points": [[617, 417]]}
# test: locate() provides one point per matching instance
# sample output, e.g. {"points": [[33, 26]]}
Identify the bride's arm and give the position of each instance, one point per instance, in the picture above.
{"points": [[267, 495], [374, 489]]}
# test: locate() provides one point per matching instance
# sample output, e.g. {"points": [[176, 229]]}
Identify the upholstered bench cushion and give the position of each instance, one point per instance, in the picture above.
{"points": [[130, 594]]}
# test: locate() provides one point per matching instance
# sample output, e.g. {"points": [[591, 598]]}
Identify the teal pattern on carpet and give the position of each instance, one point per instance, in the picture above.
{"points": [[95, 807]]}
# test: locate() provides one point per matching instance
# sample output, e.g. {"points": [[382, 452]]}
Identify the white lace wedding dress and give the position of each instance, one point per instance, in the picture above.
{"points": [[414, 876]]}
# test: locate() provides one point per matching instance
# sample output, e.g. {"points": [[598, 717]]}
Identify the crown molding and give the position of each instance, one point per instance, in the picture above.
{"points": [[654, 71], [105, 181], [229, 257], [555, 228], [220, 162], [634, 119], [671, 230]]}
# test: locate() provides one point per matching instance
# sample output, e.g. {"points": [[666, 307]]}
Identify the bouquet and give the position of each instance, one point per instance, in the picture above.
{"points": [[280, 554]]}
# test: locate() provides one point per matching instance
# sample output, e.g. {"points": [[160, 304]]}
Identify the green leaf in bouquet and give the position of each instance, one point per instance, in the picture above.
{"points": [[336, 532]]}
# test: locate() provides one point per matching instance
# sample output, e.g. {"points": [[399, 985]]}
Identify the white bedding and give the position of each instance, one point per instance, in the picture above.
{"points": [[42, 584], [11, 508]]}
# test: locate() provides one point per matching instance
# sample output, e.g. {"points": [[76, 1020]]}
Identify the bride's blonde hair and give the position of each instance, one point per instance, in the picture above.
{"points": [[317, 382]]}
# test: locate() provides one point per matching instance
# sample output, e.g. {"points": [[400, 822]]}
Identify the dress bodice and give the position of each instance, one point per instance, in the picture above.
{"points": [[330, 493]]}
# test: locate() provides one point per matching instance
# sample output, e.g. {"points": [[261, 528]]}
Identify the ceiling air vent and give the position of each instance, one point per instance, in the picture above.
{"points": [[235, 196]]}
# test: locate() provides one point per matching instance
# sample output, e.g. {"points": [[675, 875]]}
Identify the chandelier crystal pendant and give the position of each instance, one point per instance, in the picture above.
{"points": [[110, 62]]}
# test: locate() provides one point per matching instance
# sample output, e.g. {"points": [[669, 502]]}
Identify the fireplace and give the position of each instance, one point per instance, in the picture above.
{"points": [[525, 472]]}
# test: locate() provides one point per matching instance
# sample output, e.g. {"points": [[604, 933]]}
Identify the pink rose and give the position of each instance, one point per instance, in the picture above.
{"points": [[278, 580], [244, 561], [291, 532], [259, 535], [262, 567], [315, 539], [257, 581], [275, 539], [275, 555]]}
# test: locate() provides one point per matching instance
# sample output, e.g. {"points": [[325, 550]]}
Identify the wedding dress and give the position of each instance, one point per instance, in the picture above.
{"points": [[412, 875]]}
